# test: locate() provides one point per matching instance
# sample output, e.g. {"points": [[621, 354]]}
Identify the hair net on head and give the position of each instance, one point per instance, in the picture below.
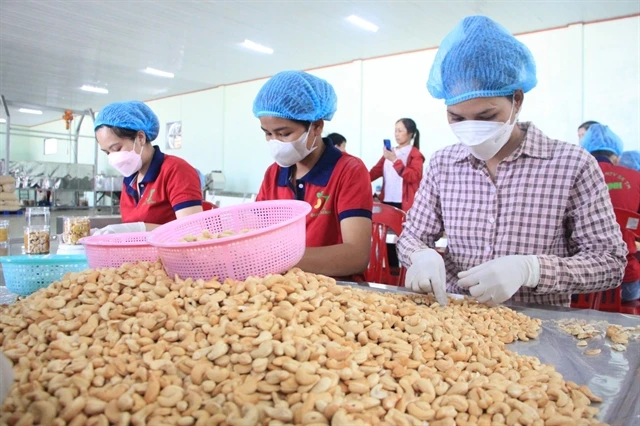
{"points": [[296, 95], [132, 115], [630, 159], [601, 138], [480, 58]]}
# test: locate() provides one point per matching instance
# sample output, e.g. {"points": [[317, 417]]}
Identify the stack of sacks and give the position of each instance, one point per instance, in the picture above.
{"points": [[8, 198]]}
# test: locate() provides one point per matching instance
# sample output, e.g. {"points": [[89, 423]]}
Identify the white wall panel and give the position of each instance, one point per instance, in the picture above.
{"points": [[612, 77], [246, 156]]}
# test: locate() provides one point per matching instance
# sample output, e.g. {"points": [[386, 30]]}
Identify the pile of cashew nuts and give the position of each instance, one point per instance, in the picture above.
{"points": [[131, 346]]}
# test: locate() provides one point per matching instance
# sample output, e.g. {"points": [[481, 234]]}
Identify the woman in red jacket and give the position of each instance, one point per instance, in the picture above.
{"points": [[401, 168]]}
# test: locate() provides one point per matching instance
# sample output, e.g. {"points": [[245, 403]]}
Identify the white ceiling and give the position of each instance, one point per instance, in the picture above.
{"points": [[48, 49]]}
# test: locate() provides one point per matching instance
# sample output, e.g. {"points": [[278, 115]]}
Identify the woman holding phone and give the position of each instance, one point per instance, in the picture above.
{"points": [[401, 167]]}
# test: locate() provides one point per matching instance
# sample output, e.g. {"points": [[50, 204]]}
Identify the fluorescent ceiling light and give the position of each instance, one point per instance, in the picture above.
{"points": [[30, 111], [94, 89], [158, 73], [356, 20], [257, 47], [2, 120]]}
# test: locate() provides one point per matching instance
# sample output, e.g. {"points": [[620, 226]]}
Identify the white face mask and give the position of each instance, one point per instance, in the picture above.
{"points": [[126, 162], [286, 154], [484, 139]]}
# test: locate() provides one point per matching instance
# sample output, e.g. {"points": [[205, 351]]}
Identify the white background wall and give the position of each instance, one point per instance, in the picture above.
{"points": [[585, 72]]}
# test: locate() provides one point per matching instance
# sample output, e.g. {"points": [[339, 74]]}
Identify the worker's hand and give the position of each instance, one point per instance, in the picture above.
{"points": [[6, 377], [495, 281], [427, 274], [389, 155], [121, 228]]}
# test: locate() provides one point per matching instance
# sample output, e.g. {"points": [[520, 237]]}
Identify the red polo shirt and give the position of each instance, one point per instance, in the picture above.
{"points": [[337, 188], [624, 190], [170, 184]]}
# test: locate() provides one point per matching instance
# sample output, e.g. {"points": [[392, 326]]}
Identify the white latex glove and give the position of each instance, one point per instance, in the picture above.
{"points": [[427, 274], [495, 281], [6, 377], [121, 228]]}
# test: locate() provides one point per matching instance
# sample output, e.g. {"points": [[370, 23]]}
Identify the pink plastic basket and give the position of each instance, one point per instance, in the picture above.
{"points": [[112, 250], [275, 244]]}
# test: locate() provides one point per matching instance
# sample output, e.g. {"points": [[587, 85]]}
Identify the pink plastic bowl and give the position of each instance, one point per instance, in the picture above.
{"points": [[112, 250], [275, 244]]}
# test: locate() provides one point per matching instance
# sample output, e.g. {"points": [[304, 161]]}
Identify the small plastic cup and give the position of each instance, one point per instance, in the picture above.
{"points": [[74, 228], [4, 231], [37, 239]]}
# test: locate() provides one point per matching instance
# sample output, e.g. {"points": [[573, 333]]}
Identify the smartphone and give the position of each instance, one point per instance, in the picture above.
{"points": [[387, 144]]}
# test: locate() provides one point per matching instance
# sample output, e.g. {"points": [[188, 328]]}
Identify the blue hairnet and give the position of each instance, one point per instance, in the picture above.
{"points": [[132, 115], [296, 95], [480, 59], [601, 138], [630, 159]]}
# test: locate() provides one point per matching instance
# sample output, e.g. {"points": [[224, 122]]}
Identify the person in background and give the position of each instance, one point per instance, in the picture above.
{"points": [[624, 190], [527, 217], [338, 141], [292, 107], [157, 187], [400, 168], [631, 160], [582, 129]]}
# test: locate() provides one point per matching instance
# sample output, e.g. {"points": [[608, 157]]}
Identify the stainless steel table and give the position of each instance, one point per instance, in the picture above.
{"points": [[615, 376]]}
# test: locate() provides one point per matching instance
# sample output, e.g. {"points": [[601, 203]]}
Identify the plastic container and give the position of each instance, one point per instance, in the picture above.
{"points": [[71, 249], [37, 216], [24, 275], [37, 239], [112, 250], [75, 228], [4, 231], [275, 244]]}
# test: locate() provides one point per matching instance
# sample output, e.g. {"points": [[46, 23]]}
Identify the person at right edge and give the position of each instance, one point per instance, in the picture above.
{"points": [[528, 218], [624, 189]]}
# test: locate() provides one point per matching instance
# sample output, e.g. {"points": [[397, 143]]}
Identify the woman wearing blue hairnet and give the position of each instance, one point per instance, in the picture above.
{"points": [[292, 107], [631, 160], [157, 188], [624, 190], [527, 217]]}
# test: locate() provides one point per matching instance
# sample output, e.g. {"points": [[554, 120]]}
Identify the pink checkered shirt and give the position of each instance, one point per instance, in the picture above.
{"points": [[549, 199]]}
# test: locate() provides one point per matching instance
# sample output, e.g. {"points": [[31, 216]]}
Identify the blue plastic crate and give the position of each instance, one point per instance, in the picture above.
{"points": [[24, 275]]}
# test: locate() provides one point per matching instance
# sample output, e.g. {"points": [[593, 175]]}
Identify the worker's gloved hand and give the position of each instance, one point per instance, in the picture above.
{"points": [[495, 281], [121, 228], [427, 274], [6, 377]]}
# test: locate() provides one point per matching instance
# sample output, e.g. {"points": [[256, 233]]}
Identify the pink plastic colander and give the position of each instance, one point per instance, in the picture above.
{"points": [[275, 244], [112, 250]]}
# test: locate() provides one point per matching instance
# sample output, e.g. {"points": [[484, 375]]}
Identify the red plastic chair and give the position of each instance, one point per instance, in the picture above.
{"points": [[611, 300], [207, 205], [585, 301], [384, 217]]}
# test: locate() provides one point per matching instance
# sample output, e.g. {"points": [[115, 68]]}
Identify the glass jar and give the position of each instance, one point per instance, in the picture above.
{"points": [[74, 228], [36, 239], [4, 231], [37, 216]]}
